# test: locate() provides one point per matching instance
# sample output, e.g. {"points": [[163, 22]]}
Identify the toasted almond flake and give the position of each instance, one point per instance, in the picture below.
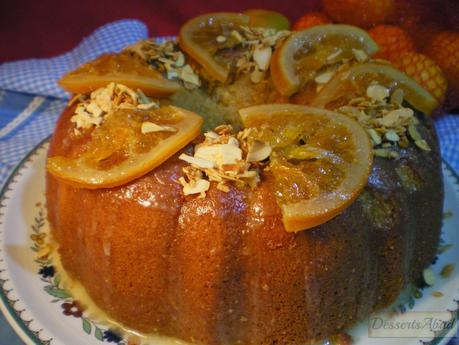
{"points": [[359, 55], [233, 141], [237, 36], [211, 135], [148, 106], [437, 294], [429, 277], [194, 187], [220, 154], [392, 136], [180, 60], [377, 92], [422, 144], [262, 57], [390, 119], [413, 132], [221, 39], [375, 137], [385, 153], [334, 55], [199, 162], [258, 151], [324, 78], [188, 75], [150, 127]]}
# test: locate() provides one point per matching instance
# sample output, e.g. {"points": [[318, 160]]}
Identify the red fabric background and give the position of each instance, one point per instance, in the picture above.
{"points": [[44, 28]]}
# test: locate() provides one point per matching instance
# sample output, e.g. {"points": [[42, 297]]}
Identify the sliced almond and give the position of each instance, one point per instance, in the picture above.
{"points": [[258, 151], [196, 187], [199, 162], [262, 57], [324, 78], [150, 127], [377, 92]]}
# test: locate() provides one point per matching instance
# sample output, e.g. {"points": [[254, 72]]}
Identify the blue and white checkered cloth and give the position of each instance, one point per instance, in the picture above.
{"points": [[31, 101]]}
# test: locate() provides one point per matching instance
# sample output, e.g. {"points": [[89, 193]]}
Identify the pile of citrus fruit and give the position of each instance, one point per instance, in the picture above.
{"points": [[320, 158], [420, 37]]}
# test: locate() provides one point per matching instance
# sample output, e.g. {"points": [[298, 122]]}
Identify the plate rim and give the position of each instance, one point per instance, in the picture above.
{"points": [[14, 319], [19, 325]]}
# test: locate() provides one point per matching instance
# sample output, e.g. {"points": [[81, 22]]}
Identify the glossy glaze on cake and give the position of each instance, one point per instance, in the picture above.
{"points": [[223, 270]]}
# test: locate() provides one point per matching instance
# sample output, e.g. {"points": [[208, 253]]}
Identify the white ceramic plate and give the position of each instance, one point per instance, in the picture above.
{"points": [[34, 303]]}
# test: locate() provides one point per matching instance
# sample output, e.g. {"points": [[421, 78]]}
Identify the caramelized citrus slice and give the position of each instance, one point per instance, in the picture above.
{"points": [[305, 52], [198, 37], [127, 145], [354, 82], [118, 68], [320, 161]]}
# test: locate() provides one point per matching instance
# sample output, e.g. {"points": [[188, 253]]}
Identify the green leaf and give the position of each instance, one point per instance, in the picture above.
{"points": [[56, 292], [98, 334], [57, 280], [87, 327]]}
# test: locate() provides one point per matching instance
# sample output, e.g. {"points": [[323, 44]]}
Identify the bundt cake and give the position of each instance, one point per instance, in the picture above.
{"points": [[218, 266]]}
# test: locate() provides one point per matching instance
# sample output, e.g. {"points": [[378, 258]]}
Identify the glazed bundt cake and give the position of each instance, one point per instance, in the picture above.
{"points": [[215, 264]]}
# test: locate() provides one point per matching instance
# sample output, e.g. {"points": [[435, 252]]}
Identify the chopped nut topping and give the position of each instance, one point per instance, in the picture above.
{"points": [[168, 59], [91, 110], [258, 45], [222, 158], [388, 123]]}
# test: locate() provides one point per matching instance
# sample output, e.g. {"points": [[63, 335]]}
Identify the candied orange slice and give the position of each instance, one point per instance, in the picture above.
{"points": [[305, 52], [354, 82], [198, 37], [128, 144], [119, 68], [320, 160]]}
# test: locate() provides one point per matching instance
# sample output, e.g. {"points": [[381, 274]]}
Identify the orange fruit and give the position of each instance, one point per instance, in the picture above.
{"points": [[425, 71], [311, 19], [363, 13], [267, 19], [354, 82], [304, 53], [320, 160], [119, 68], [118, 151], [392, 41], [198, 38], [419, 19], [444, 50]]}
